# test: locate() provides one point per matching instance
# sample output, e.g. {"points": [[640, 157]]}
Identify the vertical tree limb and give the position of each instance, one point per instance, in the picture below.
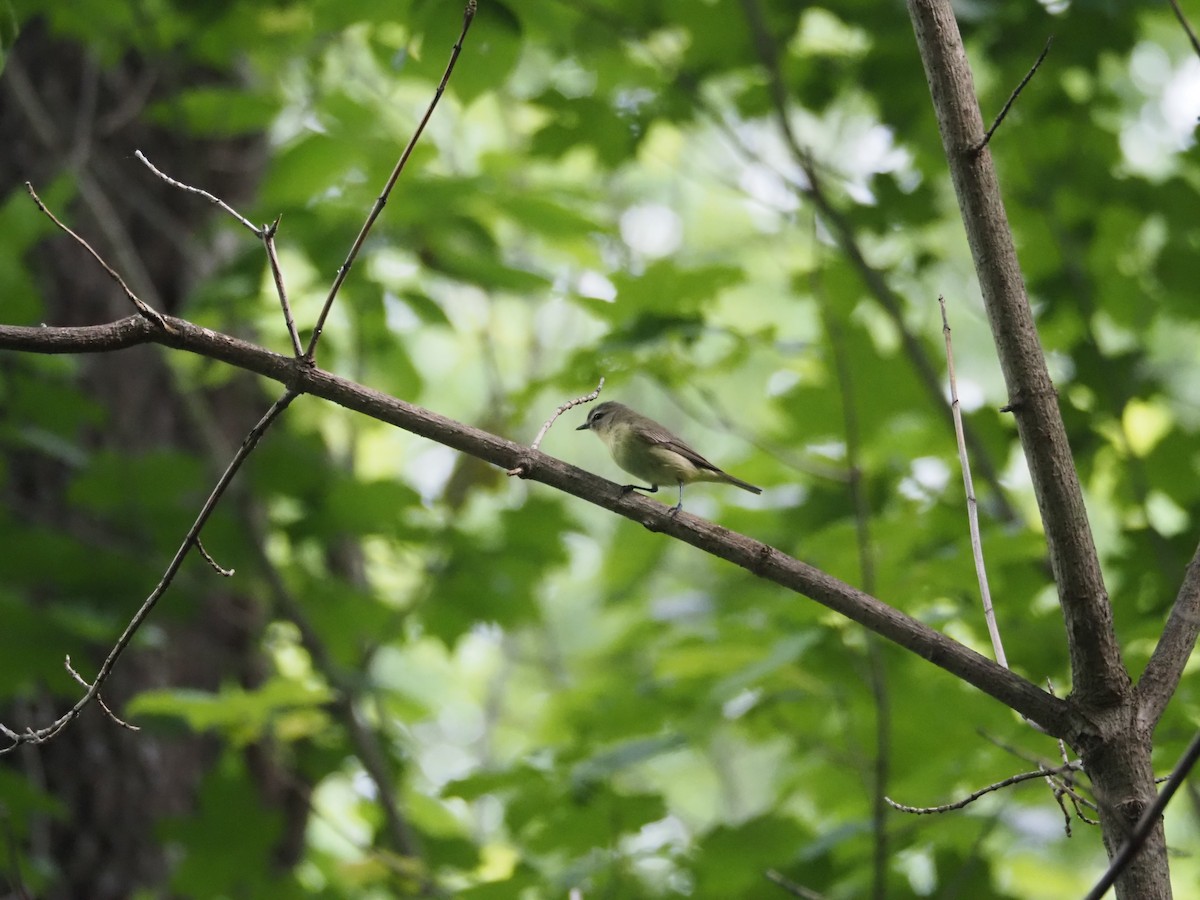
{"points": [[1099, 678]]}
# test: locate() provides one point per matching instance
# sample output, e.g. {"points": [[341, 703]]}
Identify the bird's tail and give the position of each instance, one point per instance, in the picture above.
{"points": [[737, 482]]}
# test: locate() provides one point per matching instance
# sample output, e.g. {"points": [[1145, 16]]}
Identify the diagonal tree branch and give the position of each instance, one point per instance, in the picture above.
{"points": [[1162, 674], [1053, 714], [1186, 26]]}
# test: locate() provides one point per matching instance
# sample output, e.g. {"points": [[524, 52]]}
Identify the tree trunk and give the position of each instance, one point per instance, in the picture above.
{"points": [[62, 114]]}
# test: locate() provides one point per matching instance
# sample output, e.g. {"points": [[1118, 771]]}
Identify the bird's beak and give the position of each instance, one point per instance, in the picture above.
{"points": [[583, 427]]}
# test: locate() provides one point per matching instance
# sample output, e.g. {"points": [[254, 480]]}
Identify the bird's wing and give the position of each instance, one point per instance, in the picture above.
{"points": [[662, 438]]}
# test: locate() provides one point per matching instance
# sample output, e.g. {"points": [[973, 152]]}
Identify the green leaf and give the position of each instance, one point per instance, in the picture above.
{"points": [[609, 761], [764, 842], [664, 289], [242, 715], [208, 862], [215, 112]]}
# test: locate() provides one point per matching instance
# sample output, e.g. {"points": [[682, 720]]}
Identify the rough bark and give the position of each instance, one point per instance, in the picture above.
{"points": [[62, 113]]}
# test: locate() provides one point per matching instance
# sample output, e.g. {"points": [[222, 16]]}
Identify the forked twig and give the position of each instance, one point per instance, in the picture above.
{"points": [[265, 233], [104, 706], [972, 797]]}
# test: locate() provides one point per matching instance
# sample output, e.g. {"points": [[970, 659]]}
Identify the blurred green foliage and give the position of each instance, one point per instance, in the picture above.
{"points": [[572, 701]]}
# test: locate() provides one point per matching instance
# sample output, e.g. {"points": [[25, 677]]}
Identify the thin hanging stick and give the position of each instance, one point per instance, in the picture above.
{"points": [[972, 505]]}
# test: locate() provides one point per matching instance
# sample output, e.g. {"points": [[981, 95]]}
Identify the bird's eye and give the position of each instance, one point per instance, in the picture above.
{"points": [[596, 417]]}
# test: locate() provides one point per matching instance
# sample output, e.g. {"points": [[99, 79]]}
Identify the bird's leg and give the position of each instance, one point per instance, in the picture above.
{"points": [[678, 506], [651, 489]]}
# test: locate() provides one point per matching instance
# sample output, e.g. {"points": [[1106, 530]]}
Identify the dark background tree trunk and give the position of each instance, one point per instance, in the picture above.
{"points": [[64, 114]]}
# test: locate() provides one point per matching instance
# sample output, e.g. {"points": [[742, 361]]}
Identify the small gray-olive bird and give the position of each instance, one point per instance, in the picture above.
{"points": [[642, 447]]}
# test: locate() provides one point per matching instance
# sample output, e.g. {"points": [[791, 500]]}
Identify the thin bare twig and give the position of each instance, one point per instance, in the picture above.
{"points": [[1079, 803], [41, 735], [217, 201], [268, 239], [1148, 821], [1186, 26], [985, 591], [999, 785], [220, 570], [1013, 97], [104, 706], [139, 304], [381, 200], [570, 404], [796, 890]]}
